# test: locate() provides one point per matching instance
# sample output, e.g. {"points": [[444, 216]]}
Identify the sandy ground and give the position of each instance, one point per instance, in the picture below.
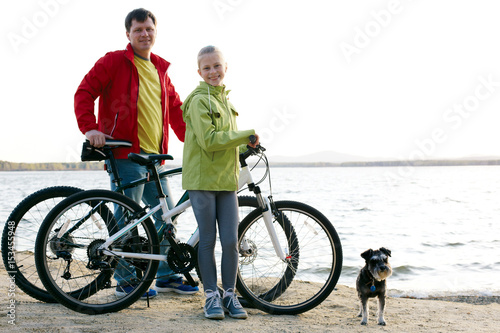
{"points": [[179, 313]]}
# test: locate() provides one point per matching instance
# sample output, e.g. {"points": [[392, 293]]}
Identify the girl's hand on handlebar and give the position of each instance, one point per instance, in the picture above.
{"points": [[255, 143], [97, 138]]}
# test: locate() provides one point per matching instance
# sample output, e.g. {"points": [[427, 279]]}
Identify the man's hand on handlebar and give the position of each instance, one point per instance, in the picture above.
{"points": [[97, 138]]}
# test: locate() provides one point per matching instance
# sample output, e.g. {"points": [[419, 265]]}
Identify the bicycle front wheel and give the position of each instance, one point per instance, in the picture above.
{"points": [[19, 234], [313, 264], [73, 268]]}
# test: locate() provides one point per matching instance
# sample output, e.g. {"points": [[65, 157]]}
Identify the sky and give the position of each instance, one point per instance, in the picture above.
{"points": [[384, 79]]}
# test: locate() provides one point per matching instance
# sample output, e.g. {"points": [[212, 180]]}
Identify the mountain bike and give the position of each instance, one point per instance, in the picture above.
{"points": [[284, 247], [22, 225]]}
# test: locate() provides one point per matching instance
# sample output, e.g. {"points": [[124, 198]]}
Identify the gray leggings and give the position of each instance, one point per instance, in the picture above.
{"points": [[212, 208]]}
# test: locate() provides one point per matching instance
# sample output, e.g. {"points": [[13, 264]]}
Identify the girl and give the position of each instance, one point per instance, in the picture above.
{"points": [[210, 174]]}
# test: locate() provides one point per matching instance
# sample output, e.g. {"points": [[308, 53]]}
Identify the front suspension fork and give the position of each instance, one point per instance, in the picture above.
{"points": [[267, 214]]}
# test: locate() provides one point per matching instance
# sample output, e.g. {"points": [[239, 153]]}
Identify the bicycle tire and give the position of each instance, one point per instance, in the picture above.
{"points": [[18, 238], [315, 260], [82, 217]]}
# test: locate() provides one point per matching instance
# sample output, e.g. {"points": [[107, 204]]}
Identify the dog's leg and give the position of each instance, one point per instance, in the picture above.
{"points": [[381, 306], [364, 311]]}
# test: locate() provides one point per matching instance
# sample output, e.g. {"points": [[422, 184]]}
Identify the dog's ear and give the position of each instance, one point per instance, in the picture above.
{"points": [[386, 251], [367, 254]]}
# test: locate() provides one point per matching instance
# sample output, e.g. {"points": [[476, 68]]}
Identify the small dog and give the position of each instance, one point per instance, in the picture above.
{"points": [[371, 281]]}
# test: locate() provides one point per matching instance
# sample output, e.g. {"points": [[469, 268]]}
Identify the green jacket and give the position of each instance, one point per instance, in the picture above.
{"points": [[210, 158]]}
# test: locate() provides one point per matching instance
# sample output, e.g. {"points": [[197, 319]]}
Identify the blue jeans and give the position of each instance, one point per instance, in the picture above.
{"points": [[147, 193]]}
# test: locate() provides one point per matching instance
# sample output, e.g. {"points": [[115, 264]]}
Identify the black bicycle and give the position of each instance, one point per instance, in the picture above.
{"points": [[23, 224]]}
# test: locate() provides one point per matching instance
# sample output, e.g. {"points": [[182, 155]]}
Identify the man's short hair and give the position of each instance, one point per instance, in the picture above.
{"points": [[140, 15]]}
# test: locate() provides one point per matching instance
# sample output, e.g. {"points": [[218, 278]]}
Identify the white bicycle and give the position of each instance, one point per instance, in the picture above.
{"points": [[290, 254]]}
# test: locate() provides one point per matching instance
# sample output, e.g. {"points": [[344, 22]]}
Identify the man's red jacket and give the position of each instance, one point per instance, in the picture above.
{"points": [[115, 80]]}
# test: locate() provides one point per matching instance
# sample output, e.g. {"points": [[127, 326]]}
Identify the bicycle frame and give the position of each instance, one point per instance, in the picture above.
{"points": [[245, 179], [172, 172]]}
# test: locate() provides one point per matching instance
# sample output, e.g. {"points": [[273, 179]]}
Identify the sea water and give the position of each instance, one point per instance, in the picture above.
{"points": [[442, 224]]}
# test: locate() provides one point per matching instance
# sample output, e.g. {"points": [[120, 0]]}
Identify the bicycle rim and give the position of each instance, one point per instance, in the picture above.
{"points": [[309, 274], [19, 234], [72, 268]]}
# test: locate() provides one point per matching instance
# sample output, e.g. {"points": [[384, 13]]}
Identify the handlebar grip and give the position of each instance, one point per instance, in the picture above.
{"points": [[252, 138]]}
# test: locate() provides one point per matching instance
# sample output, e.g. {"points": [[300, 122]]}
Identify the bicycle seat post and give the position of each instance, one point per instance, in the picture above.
{"points": [[153, 171], [150, 161], [169, 231], [114, 169]]}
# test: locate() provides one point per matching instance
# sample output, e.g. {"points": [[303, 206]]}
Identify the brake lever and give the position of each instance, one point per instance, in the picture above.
{"points": [[257, 148]]}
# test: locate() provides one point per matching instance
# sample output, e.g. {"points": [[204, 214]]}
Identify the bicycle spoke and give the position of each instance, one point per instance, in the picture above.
{"points": [[24, 222], [76, 271], [311, 270]]}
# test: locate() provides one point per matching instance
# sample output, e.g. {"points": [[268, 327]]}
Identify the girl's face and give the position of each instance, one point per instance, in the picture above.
{"points": [[212, 68]]}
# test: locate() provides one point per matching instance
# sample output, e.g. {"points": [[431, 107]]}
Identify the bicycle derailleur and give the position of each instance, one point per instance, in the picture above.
{"points": [[97, 260]]}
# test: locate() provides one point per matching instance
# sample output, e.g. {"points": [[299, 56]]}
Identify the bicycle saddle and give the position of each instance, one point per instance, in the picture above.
{"points": [[148, 159]]}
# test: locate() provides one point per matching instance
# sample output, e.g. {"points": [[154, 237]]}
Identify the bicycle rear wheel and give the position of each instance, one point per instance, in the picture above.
{"points": [[19, 234], [76, 272], [312, 268]]}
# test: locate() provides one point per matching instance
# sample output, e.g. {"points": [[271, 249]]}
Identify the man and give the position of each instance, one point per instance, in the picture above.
{"points": [[137, 103]]}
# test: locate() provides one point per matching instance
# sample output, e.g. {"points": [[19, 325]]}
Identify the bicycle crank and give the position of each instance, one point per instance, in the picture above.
{"points": [[181, 258]]}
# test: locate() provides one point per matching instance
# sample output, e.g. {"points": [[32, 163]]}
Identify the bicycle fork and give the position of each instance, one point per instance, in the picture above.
{"points": [[265, 206]]}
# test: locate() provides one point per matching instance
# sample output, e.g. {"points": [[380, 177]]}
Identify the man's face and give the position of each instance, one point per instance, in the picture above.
{"points": [[142, 36]]}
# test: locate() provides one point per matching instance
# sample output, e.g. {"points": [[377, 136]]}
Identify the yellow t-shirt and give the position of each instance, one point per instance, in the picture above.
{"points": [[149, 113]]}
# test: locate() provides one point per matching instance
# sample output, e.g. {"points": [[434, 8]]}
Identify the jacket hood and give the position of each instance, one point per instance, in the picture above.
{"points": [[204, 89]]}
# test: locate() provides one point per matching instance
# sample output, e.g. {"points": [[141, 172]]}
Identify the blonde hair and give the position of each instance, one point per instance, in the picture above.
{"points": [[208, 50]]}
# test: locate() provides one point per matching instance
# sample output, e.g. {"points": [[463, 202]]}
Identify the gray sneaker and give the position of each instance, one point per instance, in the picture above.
{"points": [[213, 308], [233, 307]]}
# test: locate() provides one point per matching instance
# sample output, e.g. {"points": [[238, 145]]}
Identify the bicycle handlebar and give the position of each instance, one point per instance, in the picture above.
{"points": [[251, 151], [91, 153]]}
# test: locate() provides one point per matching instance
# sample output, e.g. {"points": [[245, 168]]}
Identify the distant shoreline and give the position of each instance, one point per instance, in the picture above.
{"points": [[88, 166], [70, 166], [417, 163]]}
